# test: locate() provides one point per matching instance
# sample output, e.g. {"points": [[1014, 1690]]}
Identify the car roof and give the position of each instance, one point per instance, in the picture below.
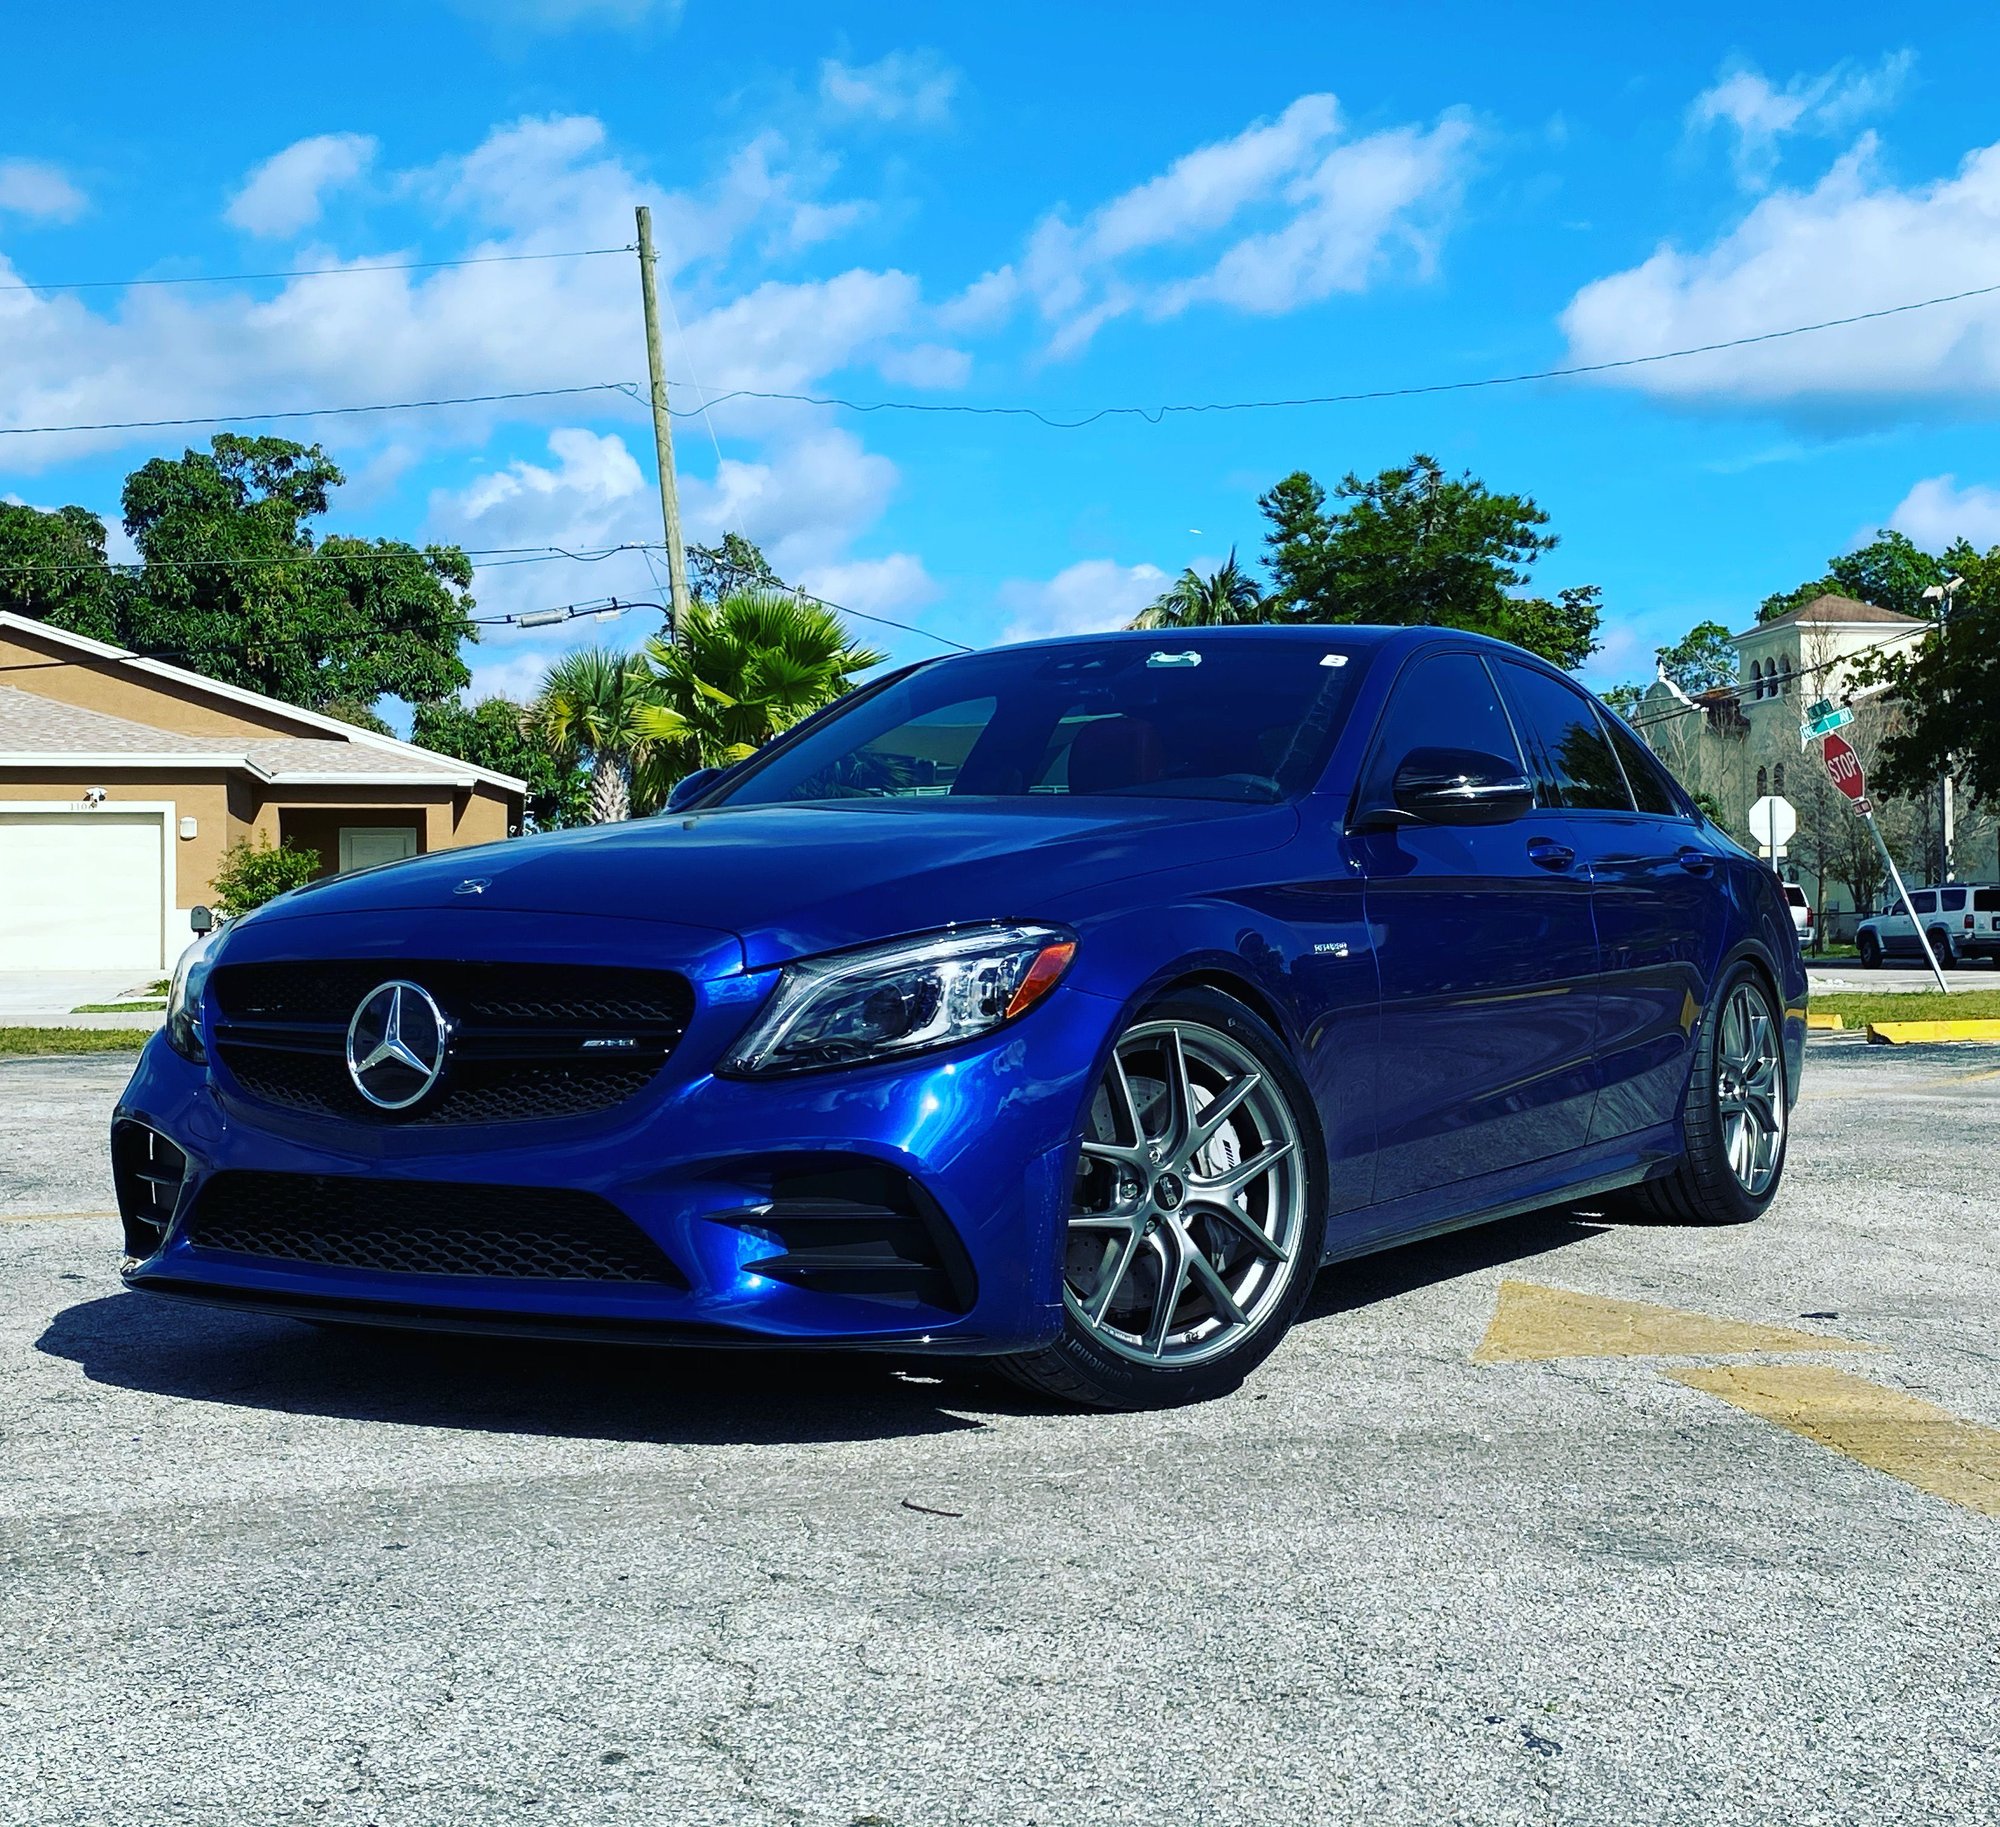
{"points": [[1371, 635]]}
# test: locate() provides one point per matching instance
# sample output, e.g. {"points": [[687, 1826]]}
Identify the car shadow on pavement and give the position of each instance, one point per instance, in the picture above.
{"points": [[1366, 1279], [509, 1386], [684, 1396]]}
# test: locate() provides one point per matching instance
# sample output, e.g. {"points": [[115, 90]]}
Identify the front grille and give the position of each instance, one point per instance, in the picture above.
{"points": [[427, 1227], [528, 1041]]}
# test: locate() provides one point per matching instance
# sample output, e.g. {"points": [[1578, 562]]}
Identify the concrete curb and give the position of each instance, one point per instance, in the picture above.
{"points": [[1901, 1033]]}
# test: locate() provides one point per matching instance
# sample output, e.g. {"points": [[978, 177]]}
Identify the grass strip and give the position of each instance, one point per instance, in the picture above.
{"points": [[1859, 1007], [41, 1043]]}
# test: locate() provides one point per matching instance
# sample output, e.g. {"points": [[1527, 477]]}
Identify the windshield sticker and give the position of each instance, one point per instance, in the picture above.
{"points": [[1334, 659], [1189, 658]]}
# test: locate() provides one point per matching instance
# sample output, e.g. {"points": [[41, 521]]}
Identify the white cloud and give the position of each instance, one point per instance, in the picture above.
{"points": [[1937, 511], [1852, 243], [927, 365], [40, 191], [1315, 214], [879, 586], [288, 190], [1090, 597], [368, 333], [984, 304], [1758, 115], [906, 86]]}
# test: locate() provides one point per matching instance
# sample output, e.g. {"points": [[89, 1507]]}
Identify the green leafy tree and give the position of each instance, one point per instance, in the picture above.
{"points": [[598, 709], [254, 871], [736, 563], [234, 583], [1224, 598], [744, 669], [1703, 659], [1947, 689], [1891, 571], [496, 733], [1414, 545], [53, 568]]}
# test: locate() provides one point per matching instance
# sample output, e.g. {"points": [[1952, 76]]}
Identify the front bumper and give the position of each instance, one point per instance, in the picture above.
{"points": [[729, 1181]]}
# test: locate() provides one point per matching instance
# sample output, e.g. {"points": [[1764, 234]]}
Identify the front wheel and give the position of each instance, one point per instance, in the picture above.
{"points": [[1735, 1117], [1196, 1216], [1870, 949]]}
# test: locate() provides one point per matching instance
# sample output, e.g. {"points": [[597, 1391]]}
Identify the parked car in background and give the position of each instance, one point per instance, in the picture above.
{"points": [[1069, 1004], [1802, 914], [1961, 920]]}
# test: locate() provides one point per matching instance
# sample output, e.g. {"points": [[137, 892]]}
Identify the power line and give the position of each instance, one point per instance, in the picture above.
{"points": [[495, 557], [304, 272], [318, 412], [1152, 415]]}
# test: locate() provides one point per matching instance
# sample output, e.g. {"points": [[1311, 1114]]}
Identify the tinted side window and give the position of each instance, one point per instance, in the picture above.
{"points": [[1643, 772], [1986, 900], [1445, 702], [1573, 761], [1924, 902], [1952, 900]]}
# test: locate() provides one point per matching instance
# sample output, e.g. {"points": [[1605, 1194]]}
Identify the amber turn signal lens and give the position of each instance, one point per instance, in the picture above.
{"points": [[1042, 976]]}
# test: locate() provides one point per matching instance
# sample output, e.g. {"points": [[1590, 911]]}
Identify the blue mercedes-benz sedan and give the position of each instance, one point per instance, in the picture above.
{"points": [[1071, 1004]]}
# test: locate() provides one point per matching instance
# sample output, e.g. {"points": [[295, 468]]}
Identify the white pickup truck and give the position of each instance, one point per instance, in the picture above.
{"points": [[1961, 920]]}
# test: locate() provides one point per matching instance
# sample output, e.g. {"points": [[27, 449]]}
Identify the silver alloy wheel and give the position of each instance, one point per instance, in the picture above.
{"points": [[1750, 1088], [1190, 1198]]}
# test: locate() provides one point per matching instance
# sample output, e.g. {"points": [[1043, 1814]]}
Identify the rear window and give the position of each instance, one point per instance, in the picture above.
{"points": [[1796, 895]]}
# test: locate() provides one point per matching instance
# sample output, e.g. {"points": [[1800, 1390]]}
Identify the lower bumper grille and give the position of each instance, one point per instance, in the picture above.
{"points": [[147, 1171], [526, 1041], [427, 1227]]}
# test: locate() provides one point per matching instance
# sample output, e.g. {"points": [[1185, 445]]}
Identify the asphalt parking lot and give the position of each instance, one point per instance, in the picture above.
{"points": [[1478, 1545]]}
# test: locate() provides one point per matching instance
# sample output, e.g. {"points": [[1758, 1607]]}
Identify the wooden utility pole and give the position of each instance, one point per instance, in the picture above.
{"points": [[663, 434]]}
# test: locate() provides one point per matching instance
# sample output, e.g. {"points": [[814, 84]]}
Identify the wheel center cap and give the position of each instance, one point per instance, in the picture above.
{"points": [[1169, 1192]]}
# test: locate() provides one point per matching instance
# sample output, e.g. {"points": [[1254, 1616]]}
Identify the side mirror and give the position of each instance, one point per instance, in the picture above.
{"points": [[200, 921], [1453, 787], [691, 787]]}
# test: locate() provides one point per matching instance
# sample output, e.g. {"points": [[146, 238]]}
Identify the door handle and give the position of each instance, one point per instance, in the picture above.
{"points": [[1546, 853], [1697, 862]]}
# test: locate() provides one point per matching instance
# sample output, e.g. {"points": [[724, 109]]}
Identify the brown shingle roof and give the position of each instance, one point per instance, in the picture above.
{"points": [[1831, 608], [35, 725]]}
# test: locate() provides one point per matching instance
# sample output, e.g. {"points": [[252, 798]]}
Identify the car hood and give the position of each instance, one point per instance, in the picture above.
{"points": [[793, 880]]}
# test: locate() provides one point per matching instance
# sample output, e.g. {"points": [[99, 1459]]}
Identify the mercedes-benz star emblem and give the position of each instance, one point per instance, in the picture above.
{"points": [[395, 1044]]}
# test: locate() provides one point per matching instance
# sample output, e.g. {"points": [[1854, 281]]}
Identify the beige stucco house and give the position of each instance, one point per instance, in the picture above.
{"points": [[123, 780]]}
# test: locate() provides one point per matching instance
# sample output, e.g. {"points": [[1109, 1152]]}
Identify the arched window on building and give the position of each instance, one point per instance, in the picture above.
{"points": [[1763, 782], [1756, 678], [1778, 780], [1785, 677]]}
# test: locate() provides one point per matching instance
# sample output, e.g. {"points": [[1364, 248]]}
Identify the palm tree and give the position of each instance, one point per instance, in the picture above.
{"points": [[598, 707], [1222, 599], [744, 668]]}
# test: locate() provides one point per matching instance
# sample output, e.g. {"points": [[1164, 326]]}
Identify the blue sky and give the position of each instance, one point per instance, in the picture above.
{"points": [[1054, 205]]}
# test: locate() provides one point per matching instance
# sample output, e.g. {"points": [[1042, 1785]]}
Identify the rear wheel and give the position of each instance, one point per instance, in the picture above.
{"points": [[1941, 947], [1196, 1215], [1870, 949], [1735, 1117]]}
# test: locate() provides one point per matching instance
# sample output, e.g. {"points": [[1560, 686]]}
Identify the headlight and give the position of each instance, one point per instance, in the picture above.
{"points": [[184, 999], [886, 1001]]}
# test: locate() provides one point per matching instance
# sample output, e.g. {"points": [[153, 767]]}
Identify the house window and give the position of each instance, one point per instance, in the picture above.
{"points": [[363, 846], [1785, 677], [1756, 678], [1778, 780], [1763, 782]]}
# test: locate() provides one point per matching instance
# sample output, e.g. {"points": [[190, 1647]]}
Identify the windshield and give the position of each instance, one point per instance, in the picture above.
{"points": [[1173, 716]]}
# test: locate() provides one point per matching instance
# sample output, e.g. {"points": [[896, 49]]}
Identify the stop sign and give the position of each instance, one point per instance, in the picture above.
{"points": [[1843, 767]]}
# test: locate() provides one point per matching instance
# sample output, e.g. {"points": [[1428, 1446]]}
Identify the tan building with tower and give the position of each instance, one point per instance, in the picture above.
{"points": [[123, 780]]}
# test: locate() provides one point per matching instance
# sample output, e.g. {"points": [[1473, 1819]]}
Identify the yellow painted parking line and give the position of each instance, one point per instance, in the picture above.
{"points": [[1533, 1324], [49, 1217], [1887, 1430], [1899, 1033]]}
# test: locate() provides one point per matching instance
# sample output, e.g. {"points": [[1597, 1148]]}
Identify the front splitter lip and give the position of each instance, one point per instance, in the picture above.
{"points": [[420, 1316]]}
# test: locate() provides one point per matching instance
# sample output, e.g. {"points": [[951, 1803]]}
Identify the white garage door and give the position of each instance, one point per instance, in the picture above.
{"points": [[81, 891]]}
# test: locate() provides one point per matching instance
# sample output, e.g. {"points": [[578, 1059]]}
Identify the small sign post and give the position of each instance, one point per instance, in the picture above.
{"points": [[1843, 768]]}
